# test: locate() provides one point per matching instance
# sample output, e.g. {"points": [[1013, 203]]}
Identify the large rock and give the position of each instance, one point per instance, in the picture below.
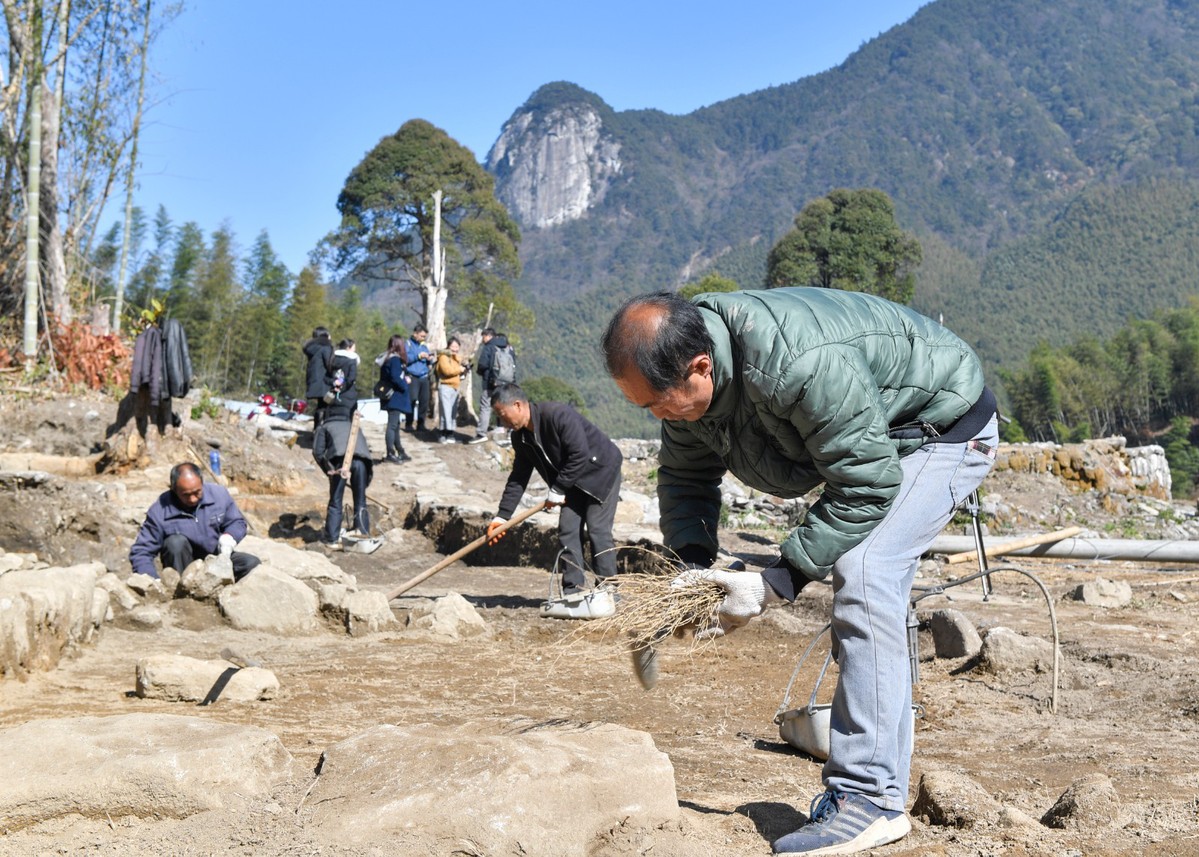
{"points": [[144, 765], [1104, 593], [176, 678], [448, 616], [309, 566], [954, 635], [368, 613], [949, 799], [269, 600], [1004, 652], [1091, 804], [206, 577], [124, 597], [45, 612], [514, 788]]}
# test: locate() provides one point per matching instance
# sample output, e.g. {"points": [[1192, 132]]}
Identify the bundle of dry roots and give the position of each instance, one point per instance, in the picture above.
{"points": [[651, 609]]}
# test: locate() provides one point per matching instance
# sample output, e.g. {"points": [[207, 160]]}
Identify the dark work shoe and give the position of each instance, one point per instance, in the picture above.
{"points": [[393, 459], [840, 823]]}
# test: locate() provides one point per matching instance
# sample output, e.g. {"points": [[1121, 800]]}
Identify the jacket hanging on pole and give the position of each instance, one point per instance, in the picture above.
{"points": [[177, 359]]}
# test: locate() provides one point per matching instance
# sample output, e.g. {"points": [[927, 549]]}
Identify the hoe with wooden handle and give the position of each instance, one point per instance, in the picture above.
{"points": [[463, 551]]}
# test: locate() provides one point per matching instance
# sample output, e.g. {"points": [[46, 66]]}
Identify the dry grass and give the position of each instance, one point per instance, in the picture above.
{"points": [[650, 609]]}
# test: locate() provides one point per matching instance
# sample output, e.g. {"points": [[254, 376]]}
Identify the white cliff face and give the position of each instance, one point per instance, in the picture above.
{"points": [[552, 168]]}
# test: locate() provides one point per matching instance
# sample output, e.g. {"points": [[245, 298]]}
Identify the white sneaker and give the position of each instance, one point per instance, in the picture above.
{"points": [[598, 603]]}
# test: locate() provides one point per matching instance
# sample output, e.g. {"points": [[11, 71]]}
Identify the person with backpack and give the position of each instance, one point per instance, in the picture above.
{"points": [[419, 360], [497, 365], [392, 390], [343, 372]]}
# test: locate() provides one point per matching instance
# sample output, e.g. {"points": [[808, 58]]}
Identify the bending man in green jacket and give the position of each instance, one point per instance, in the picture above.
{"points": [[789, 389]]}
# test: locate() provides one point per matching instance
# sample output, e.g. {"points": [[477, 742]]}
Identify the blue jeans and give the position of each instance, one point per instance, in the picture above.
{"points": [[870, 747]]}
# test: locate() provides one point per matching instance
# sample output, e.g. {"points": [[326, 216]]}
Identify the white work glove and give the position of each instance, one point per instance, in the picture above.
{"points": [[553, 498], [747, 594], [226, 543]]}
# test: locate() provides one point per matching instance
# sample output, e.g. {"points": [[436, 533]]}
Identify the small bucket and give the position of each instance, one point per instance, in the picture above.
{"points": [[808, 727]]}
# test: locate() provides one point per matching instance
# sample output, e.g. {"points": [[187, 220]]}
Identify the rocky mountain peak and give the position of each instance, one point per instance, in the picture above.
{"points": [[554, 159]]}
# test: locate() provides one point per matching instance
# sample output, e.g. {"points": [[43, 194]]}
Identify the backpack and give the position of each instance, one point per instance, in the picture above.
{"points": [[503, 366]]}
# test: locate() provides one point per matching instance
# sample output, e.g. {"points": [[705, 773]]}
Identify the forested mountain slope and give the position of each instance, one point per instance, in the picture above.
{"points": [[1044, 153]]}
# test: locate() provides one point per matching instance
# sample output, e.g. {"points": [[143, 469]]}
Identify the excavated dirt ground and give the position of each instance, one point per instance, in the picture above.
{"points": [[1128, 705]]}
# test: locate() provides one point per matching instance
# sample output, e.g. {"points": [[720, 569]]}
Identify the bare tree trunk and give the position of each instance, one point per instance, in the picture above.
{"points": [[119, 304], [435, 296], [32, 201], [56, 263]]}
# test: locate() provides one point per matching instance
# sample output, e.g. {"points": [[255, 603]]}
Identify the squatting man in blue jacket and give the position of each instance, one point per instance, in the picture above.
{"points": [[581, 466], [191, 521], [793, 388]]}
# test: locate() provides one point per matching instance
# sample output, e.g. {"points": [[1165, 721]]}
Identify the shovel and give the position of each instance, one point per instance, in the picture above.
{"points": [[461, 552]]}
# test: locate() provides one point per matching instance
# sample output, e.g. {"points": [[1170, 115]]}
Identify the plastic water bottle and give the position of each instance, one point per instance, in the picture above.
{"points": [[214, 461]]}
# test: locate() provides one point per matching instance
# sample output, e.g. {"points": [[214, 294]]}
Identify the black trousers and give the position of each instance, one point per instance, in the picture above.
{"points": [[391, 437], [418, 392], [583, 514], [178, 552], [359, 478]]}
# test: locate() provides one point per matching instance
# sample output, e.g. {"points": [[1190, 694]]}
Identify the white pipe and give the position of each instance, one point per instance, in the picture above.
{"points": [[1147, 550]]}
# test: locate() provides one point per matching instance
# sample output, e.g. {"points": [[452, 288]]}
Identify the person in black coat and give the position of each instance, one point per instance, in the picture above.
{"points": [[319, 351], [329, 443], [393, 374], [580, 465]]}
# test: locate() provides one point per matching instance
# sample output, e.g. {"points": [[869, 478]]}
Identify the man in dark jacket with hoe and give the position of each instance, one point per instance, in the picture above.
{"points": [[189, 522], [581, 466], [790, 389]]}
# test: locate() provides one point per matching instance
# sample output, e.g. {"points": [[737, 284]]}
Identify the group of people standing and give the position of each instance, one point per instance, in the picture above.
{"points": [[406, 371]]}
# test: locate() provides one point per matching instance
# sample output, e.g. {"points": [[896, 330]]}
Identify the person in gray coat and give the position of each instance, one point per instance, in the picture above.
{"points": [[329, 444]]}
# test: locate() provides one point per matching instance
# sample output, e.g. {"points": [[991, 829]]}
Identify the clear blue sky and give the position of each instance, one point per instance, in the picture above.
{"points": [[260, 108]]}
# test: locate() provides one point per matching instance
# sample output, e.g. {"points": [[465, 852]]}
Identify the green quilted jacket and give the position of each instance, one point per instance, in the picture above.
{"points": [[807, 383]]}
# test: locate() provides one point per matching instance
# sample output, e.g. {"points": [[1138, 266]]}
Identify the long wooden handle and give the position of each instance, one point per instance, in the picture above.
{"points": [[1008, 547], [463, 551], [351, 445]]}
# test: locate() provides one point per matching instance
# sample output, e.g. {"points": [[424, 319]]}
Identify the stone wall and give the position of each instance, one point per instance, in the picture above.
{"points": [[1104, 464]]}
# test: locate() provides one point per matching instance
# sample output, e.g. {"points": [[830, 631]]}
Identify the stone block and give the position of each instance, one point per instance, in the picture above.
{"points": [[269, 600], [522, 787], [177, 678], [954, 635]]}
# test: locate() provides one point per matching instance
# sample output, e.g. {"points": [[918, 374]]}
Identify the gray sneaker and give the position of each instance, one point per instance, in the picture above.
{"points": [[479, 438], [841, 823]]}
